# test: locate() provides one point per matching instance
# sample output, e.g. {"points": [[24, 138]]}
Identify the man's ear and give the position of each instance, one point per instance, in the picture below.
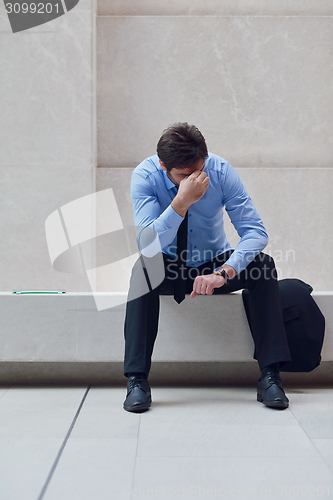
{"points": [[162, 165]]}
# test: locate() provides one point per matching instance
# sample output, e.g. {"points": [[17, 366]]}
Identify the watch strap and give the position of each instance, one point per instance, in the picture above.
{"points": [[222, 272]]}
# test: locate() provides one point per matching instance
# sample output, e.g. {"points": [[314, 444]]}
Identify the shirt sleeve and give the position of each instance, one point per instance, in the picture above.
{"points": [[148, 212], [245, 219]]}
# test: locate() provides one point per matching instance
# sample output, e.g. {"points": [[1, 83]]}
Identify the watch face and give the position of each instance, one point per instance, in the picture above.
{"points": [[218, 269]]}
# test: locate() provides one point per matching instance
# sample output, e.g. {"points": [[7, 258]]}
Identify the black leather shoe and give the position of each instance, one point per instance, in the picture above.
{"points": [[138, 398], [270, 391]]}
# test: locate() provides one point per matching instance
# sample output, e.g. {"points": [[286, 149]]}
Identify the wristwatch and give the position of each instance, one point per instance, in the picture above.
{"points": [[222, 272]]}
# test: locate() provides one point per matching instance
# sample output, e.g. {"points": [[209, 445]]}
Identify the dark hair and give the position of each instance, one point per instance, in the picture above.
{"points": [[181, 146]]}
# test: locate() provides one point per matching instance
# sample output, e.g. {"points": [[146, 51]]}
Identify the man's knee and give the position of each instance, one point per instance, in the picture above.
{"points": [[262, 267], [265, 259]]}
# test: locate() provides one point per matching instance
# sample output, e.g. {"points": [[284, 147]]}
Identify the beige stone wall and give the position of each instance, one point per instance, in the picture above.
{"points": [[47, 140], [254, 75]]}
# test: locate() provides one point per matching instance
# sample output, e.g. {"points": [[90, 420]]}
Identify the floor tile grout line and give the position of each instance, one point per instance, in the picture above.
{"points": [[54, 466], [323, 458], [136, 454], [5, 392]]}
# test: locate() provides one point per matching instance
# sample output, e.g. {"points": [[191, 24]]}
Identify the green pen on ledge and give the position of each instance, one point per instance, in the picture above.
{"points": [[32, 292]]}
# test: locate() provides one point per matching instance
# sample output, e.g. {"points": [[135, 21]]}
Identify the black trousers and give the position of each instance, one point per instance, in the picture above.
{"points": [[268, 331]]}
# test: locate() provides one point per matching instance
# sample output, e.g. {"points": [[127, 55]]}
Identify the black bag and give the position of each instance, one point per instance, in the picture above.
{"points": [[304, 324]]}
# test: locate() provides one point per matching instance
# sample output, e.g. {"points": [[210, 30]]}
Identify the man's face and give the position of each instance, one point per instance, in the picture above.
{"points": [[176, 175]]}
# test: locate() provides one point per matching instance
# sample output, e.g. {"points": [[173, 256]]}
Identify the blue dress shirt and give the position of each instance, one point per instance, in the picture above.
{"points": [[152, 193]]}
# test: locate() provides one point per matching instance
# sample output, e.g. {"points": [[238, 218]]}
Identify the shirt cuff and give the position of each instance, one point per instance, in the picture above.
{"points": [[171, 218], [240, 262]]}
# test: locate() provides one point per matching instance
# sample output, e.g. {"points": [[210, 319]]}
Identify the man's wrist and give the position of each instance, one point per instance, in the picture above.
{"points": [[220, 271], [226, 271], [180, 206], [230, 270]]}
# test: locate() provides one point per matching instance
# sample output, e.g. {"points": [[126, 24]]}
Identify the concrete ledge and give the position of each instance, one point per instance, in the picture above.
{"points": [[64, 339], [69, 328]]}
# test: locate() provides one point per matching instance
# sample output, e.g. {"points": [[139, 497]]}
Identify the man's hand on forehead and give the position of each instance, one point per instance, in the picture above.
{"points": [[190, 190], [197, 173], [193, 187]]}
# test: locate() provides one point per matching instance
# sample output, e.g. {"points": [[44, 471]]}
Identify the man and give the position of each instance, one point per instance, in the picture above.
{"points": [[184, 188]]}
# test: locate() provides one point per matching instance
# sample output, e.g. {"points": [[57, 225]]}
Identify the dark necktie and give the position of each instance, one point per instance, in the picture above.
{"points": [[180, 282]]}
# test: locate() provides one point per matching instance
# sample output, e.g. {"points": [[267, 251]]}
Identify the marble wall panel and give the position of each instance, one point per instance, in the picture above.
{"points": [[28, 195], [119, 179], [258, 86], [46, 98], [48, 140]]}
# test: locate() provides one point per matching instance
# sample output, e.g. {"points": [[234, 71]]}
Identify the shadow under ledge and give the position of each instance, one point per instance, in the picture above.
{"points": [[181, 374]]}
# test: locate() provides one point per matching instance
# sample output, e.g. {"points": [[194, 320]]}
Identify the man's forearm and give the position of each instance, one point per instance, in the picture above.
{"points": [[180, 206], [247, 249]]}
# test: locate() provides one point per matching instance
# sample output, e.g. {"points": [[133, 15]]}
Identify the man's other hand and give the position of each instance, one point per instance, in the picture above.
{"points": [[204, 285]]}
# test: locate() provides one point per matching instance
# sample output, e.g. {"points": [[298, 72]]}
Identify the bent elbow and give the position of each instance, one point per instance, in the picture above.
{"points": [[265, 239]]}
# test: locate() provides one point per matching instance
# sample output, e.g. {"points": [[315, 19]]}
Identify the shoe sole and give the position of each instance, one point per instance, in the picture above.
{"points": [[138, 408], [281, 405]]}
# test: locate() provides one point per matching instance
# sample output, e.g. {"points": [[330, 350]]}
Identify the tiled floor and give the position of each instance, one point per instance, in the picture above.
{"points": [[79, 444]]}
